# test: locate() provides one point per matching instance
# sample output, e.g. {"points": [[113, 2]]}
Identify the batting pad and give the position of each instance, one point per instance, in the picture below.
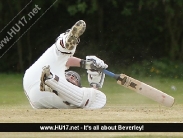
{"points": [[87, 98], [97, 99]]}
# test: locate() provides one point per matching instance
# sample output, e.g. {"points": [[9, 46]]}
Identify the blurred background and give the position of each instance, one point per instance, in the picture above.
{"points": [[136, 37]]}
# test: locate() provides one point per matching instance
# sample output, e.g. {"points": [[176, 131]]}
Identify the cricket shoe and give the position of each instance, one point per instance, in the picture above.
{"points": [[73, 34], [46, 74]]}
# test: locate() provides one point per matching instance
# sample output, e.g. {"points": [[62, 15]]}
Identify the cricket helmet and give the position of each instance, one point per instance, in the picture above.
{"points": [[75, 75]]}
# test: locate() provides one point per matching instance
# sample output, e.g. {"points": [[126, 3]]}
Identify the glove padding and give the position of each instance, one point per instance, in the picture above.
{"points": [[96, 78], [93, 62], [98, 63]]}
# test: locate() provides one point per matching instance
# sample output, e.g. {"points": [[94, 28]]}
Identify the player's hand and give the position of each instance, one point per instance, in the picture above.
{"points": [[93, 62], [97, 62]]}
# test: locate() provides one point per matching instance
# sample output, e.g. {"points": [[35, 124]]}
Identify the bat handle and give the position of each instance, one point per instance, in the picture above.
{"points": [[110, 74], [116, 76]]}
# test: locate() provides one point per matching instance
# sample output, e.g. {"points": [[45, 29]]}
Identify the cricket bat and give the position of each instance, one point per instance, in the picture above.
{"points": [[142, 88]]}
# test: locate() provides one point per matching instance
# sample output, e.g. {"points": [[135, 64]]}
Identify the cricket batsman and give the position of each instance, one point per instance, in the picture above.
{"points": [[48, 85]]}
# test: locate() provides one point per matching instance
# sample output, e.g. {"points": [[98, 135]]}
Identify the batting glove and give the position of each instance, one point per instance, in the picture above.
{"points": [[93, 62], [96, 78]]}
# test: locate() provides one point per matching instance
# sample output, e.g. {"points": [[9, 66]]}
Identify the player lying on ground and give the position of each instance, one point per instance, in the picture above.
{"points": [[47, 84]]}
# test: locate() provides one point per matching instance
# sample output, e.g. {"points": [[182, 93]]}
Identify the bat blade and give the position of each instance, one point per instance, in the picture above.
{"points": [[145, 90], [141, 88]]}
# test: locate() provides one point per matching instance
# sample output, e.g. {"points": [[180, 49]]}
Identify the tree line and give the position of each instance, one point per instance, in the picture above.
{"points": [[121, 32]]}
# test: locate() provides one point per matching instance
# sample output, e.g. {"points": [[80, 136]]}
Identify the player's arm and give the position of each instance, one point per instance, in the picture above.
{"points": [[86, 64], [95, 78], [73, 62]]}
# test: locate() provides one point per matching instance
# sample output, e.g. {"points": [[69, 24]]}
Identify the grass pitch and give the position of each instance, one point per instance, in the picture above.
{"points": [[123, 106]]}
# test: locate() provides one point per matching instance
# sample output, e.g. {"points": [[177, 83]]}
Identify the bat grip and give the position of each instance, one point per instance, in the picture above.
{"points": [[105, 72], [110, 74]]}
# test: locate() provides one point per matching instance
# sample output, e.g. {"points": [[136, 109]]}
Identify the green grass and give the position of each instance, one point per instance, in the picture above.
{"points": [[11, 90], [121, 101]]}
